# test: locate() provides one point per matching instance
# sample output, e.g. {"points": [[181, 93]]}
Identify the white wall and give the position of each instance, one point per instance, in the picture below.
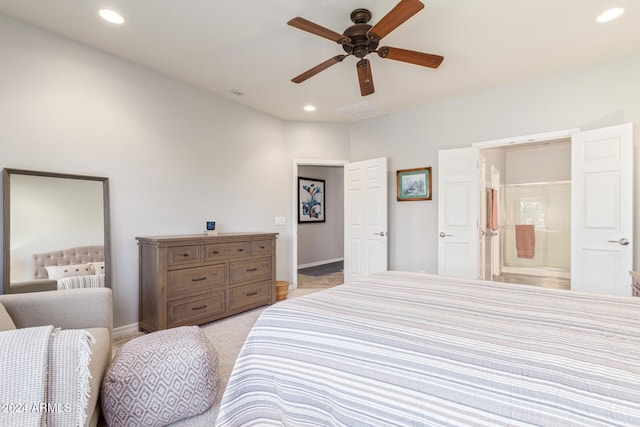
{"points": [[176, 156], [318, 242], [538, 164], [591, 97]]}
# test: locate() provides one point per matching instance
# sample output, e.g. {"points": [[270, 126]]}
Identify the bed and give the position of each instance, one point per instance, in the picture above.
{"points": [[409, 349], [71, 268]]}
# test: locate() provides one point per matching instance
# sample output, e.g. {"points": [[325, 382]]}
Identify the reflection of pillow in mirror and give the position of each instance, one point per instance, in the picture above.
{"points": [[97, 267], [61, 271]]}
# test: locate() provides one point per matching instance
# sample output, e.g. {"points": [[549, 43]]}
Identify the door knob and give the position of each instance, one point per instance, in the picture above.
{"points": [[443, 234], [379, 234], [623, 241]]}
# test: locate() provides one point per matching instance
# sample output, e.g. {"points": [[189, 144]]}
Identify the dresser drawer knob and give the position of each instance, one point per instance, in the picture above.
{"points": [[239, 250], [184, 255], [215, 252], [199, 279], [252, 269], [199, 308], [252, 293], [261, 247]]}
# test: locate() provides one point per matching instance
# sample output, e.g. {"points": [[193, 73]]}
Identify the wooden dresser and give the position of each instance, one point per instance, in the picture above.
{"points": [[194, 279]]}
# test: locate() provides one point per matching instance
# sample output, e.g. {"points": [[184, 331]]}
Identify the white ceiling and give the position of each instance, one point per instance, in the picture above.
{"points": [[220, 45]]}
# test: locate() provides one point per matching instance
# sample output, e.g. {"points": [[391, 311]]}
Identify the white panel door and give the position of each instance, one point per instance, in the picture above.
{"points": [[365, 216], [602, 210], [458, 212]]}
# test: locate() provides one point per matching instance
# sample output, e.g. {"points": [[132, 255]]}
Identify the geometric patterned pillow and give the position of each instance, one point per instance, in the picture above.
{"points": [[160, 378]]}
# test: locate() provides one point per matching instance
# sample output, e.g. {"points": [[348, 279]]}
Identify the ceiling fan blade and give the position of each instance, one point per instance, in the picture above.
{"points": [[320, 67], [410, 56], [365, 77], [318, 30], [392, 20]]}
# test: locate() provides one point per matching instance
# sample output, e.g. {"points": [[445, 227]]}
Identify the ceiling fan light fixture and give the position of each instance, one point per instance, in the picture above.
{"points": [[362, 39], [111, 16], [610, 15]]}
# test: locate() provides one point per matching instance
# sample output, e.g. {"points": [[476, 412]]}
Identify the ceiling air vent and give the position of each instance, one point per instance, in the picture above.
{"points": [[360, 111]]}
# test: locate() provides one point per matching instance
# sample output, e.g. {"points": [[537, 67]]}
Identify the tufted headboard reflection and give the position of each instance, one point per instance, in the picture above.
{"points": [[70, 256]]}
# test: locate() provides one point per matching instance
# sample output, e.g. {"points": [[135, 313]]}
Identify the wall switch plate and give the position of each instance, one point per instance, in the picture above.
{"points": [[280, 220]]}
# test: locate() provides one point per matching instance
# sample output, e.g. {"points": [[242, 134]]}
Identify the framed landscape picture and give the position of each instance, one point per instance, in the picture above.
{"points": [[311, 200], [413, 184]]}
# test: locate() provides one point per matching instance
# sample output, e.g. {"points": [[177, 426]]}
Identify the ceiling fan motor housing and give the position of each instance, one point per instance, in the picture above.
{"points": [[360, 45]]}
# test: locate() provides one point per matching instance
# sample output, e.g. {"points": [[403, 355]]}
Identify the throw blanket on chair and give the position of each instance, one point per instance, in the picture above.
{"points": [[44, 376]]}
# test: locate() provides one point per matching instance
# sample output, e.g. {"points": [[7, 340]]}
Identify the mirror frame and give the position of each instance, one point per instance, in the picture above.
{"points": [[6, 253]]}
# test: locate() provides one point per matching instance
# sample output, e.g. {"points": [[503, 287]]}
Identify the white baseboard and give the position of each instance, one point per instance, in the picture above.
{"points": [[126, 329], [317, 263]]}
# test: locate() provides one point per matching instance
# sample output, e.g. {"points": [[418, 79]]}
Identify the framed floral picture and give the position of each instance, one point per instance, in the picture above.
{"points": [[311, 200], [413, 184]]}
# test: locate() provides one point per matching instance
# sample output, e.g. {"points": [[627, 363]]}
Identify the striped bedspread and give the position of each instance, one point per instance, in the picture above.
{"points": [[408, 349]]}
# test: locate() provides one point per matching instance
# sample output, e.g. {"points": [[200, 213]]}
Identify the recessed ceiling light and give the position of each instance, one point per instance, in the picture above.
{"points": [[610, 15], [309, 108], [111, 16]]}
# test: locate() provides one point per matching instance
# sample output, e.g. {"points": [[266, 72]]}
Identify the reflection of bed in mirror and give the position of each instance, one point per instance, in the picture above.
{"points": [[53, 220], [70, 268], [81, 267]]}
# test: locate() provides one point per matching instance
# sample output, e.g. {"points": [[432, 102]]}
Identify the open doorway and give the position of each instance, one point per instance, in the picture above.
{"points": [[601, 206], [526, 213], [318, 247]]}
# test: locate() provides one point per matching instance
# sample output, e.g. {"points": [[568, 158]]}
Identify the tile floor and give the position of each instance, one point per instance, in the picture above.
{"points": [[325, 281]]}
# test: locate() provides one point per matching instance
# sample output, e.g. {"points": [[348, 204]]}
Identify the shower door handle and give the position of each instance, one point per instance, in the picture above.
{"points": [[624, 241]]}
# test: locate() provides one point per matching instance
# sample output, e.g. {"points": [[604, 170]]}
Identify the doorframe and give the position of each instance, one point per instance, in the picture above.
{"points": [[523, 139], [294, 206]]}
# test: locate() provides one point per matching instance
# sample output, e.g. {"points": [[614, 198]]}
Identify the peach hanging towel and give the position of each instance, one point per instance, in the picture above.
{"points": [[492, 214], [525, 240]]}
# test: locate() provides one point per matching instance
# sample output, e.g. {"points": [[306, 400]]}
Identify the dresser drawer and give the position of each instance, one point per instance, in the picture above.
{"points": [[197, 279], [179, 255], [251, 269], [261, 247], [188, 311], [219, 251], [254, 293]]}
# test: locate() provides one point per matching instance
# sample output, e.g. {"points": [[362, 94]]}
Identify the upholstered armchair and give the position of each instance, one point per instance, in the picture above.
{"points": [[76, 309]]}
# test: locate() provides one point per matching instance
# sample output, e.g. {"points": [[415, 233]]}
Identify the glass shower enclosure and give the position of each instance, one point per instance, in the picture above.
{"points": [[547, 207]]}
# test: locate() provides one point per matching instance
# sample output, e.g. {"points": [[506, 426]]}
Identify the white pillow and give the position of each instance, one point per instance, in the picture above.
{"points": [[97, 267], [61, 271]]}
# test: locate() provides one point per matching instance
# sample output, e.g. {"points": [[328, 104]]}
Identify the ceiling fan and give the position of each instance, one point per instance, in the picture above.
{"points": [[361, 39]]}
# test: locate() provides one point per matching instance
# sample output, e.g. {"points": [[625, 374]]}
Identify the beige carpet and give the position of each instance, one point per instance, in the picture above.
{"points": [[227, 336]]}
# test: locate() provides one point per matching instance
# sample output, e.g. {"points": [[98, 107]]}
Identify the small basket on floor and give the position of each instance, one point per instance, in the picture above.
{"points": [[282, 290]]}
